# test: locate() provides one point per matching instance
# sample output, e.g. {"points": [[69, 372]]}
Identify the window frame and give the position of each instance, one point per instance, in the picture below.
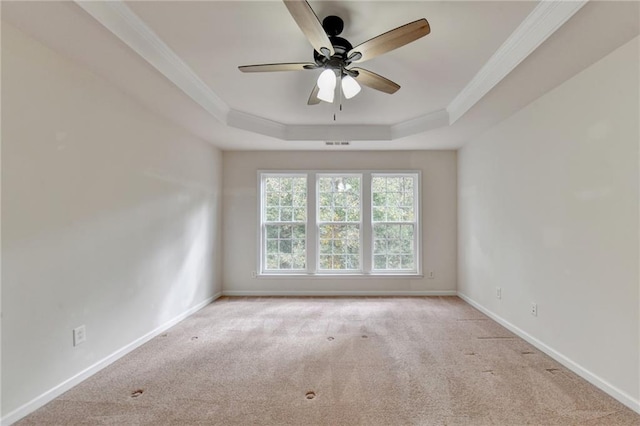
{"points": [[360, 270], [416, 224], [312, 231]]}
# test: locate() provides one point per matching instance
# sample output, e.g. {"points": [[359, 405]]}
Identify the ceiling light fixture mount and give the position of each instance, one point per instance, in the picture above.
{"points": [[334, 54]]}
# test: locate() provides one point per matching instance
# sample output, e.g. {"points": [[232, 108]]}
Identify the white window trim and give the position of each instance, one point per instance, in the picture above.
{"points": [[366, 226]]}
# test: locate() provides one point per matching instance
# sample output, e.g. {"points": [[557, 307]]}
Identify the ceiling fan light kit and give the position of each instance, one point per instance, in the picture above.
{"points": [[335, 54], [326, 85], [350, 86]]}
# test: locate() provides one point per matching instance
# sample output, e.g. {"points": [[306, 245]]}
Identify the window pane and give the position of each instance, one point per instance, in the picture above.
{"points": [[406, 262], [380, 262], [285, 199], [272, 246], [272, 231], [339, 247], [285, 247], [272, 261], [325, 261], [393, 247], [272, 214], [339, 199], [392, 199]]}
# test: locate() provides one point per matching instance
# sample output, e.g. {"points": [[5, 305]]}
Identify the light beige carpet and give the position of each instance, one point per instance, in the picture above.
{"points": [[336, 361]]}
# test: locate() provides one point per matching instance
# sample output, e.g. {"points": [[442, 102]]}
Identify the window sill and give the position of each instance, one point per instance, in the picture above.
{"points": [[276, 276]]}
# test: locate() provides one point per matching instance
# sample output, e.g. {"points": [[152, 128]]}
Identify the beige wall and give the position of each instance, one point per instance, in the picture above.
{"points": [[110, 218], [240, 210], [548, 211]]}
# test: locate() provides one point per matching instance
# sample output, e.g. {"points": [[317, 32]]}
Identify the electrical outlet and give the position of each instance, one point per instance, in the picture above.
{"points": [[498, 293], [254, 274], [431, 275], [534, 309], [79, 335]]}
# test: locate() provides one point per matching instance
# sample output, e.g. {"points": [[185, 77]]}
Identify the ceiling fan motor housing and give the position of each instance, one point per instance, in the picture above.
{"points": [[333, 25], [340, 46]]}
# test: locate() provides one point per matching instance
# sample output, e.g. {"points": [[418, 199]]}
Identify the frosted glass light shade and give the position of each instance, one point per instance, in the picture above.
{"points": [[327, 85], [350, 86]]}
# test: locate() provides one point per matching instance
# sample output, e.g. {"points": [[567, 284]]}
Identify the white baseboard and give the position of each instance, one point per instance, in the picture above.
{"points": [[595, 380], [340, 293], [58, 390]]}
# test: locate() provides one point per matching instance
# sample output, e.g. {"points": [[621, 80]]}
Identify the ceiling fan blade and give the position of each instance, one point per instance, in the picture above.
{"points": [[375, 81], [313, 97], [310, 25], [390, 40], [293, 66]]}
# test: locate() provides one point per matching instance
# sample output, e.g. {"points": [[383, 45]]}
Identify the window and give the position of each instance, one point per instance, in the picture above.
{"points": [[394, 222], [349, 223], [284, 218], [339, 222]]}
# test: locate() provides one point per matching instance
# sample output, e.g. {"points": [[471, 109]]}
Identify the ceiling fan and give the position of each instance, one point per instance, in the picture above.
{"points": [[335, 54]]}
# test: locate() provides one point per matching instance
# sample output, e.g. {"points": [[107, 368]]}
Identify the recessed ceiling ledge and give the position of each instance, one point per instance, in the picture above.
{"points": [[331, 132], [256, 124], [420, 124]]}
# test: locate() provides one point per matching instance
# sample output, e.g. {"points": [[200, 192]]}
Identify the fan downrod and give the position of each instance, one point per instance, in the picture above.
{"points": [[333, 25]]}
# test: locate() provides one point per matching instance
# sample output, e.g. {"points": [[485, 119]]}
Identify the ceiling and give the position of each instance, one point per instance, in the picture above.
{"points": [[431, 71], [481, 62]]}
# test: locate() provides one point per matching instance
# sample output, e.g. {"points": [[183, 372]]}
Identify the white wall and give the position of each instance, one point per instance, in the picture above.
{"points": [[548, 211], [110, 218], [240, 210]]}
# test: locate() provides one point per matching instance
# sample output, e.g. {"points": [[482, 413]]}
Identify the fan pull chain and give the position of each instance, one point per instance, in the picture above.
{"points": [[339, 103]]}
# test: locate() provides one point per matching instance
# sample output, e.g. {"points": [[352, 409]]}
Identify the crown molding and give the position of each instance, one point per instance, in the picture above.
{"points": [[544, 20], [118, 18]]}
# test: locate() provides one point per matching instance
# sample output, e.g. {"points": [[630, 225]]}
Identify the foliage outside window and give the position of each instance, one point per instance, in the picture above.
{"points": [[359, 223]]}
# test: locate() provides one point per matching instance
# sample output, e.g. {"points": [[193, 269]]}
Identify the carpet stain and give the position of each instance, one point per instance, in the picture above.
{"points": [[364, 336], [329, 338], [526, 352], [552, 370], [136, 393], [194, 338], [310, 395]]}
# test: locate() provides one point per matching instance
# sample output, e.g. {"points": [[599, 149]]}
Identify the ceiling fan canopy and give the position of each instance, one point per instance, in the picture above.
{"points": [[335, 54]]}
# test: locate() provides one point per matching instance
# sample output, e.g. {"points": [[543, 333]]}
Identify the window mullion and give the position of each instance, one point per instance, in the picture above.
{"points": [[312, 225], [366, 247]]}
